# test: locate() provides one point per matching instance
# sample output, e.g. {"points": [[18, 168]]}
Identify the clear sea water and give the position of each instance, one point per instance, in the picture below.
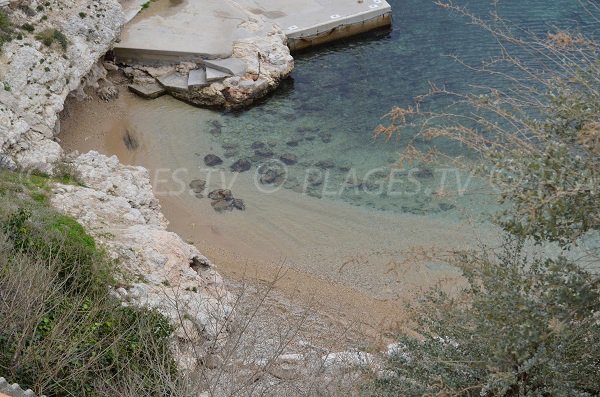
{"points": [[326, 112]]}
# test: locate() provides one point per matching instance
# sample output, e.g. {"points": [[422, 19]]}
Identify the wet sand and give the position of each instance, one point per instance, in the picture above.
{"points": [[356, 264]]}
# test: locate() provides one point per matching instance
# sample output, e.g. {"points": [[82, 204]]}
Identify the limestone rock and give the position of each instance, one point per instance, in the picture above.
{"points": [[41, 77], [118, 208]]}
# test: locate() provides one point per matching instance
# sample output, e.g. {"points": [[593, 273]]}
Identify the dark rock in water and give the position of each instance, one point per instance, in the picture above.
{"points": [[212, 159], [325, 164], [381, 174], [221, 205], [310, 138], [215, 127], [293, 142], [230, 145], [241, 165], [239, 204], [223, 200], [230, 153], [315, 180], [257, 145], [326, 137], [221, 194], [423, 173], [272, 174], [264, 152], [288, 158], [446, 206], [345, 167], [197, 185], [255, 159]]}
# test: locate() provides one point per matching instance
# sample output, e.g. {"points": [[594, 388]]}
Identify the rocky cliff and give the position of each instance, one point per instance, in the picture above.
{"points": [[56, 44], [38, 73]]}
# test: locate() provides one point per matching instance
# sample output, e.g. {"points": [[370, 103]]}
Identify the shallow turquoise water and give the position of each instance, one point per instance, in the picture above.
{"points": [[325, 114]]}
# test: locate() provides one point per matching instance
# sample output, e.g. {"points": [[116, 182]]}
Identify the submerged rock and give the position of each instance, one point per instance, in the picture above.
{"points": [[212, 160], [223, 200], [221, 205], [241, 165], [446, 206], [325, 164], [423, 173], [230, 145], [272, 175], [264, 152], [288, 158], [197, 185], [239, 204], [216, 128], [326, 137], [221, 194], [229, 153]]}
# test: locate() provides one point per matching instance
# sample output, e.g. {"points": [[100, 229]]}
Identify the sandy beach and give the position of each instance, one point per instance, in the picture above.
{"points": [[360, 264]]}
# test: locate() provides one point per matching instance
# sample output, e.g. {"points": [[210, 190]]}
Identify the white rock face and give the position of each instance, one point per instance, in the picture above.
{"points": [[117, 207], [37, 78]]}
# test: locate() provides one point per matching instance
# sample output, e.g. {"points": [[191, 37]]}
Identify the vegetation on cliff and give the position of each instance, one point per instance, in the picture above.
{"points": [[62, 332]]}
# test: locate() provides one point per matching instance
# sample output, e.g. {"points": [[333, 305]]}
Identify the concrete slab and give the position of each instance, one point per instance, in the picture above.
{"points": [[313, 22], [234, 66], [174, 81], [215, 75], [178, 30], [192, 30], [197, 78], [149, 91]]}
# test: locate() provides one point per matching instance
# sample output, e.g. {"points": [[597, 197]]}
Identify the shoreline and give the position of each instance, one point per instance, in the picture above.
{"points": [[350, 284]]}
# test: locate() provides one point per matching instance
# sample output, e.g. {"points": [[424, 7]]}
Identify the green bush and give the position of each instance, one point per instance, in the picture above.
{"points": [[28, 27], [51, 36], [6, 28], [62, 333], [522, 327]]}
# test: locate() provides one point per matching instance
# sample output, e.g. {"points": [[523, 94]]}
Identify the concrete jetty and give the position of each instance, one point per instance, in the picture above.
{"points": [[229, 53], [309, 23], [194, 30]]}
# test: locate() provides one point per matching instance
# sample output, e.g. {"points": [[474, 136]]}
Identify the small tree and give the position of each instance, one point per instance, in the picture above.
{"points": [[537, 134], [523, 326]]}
